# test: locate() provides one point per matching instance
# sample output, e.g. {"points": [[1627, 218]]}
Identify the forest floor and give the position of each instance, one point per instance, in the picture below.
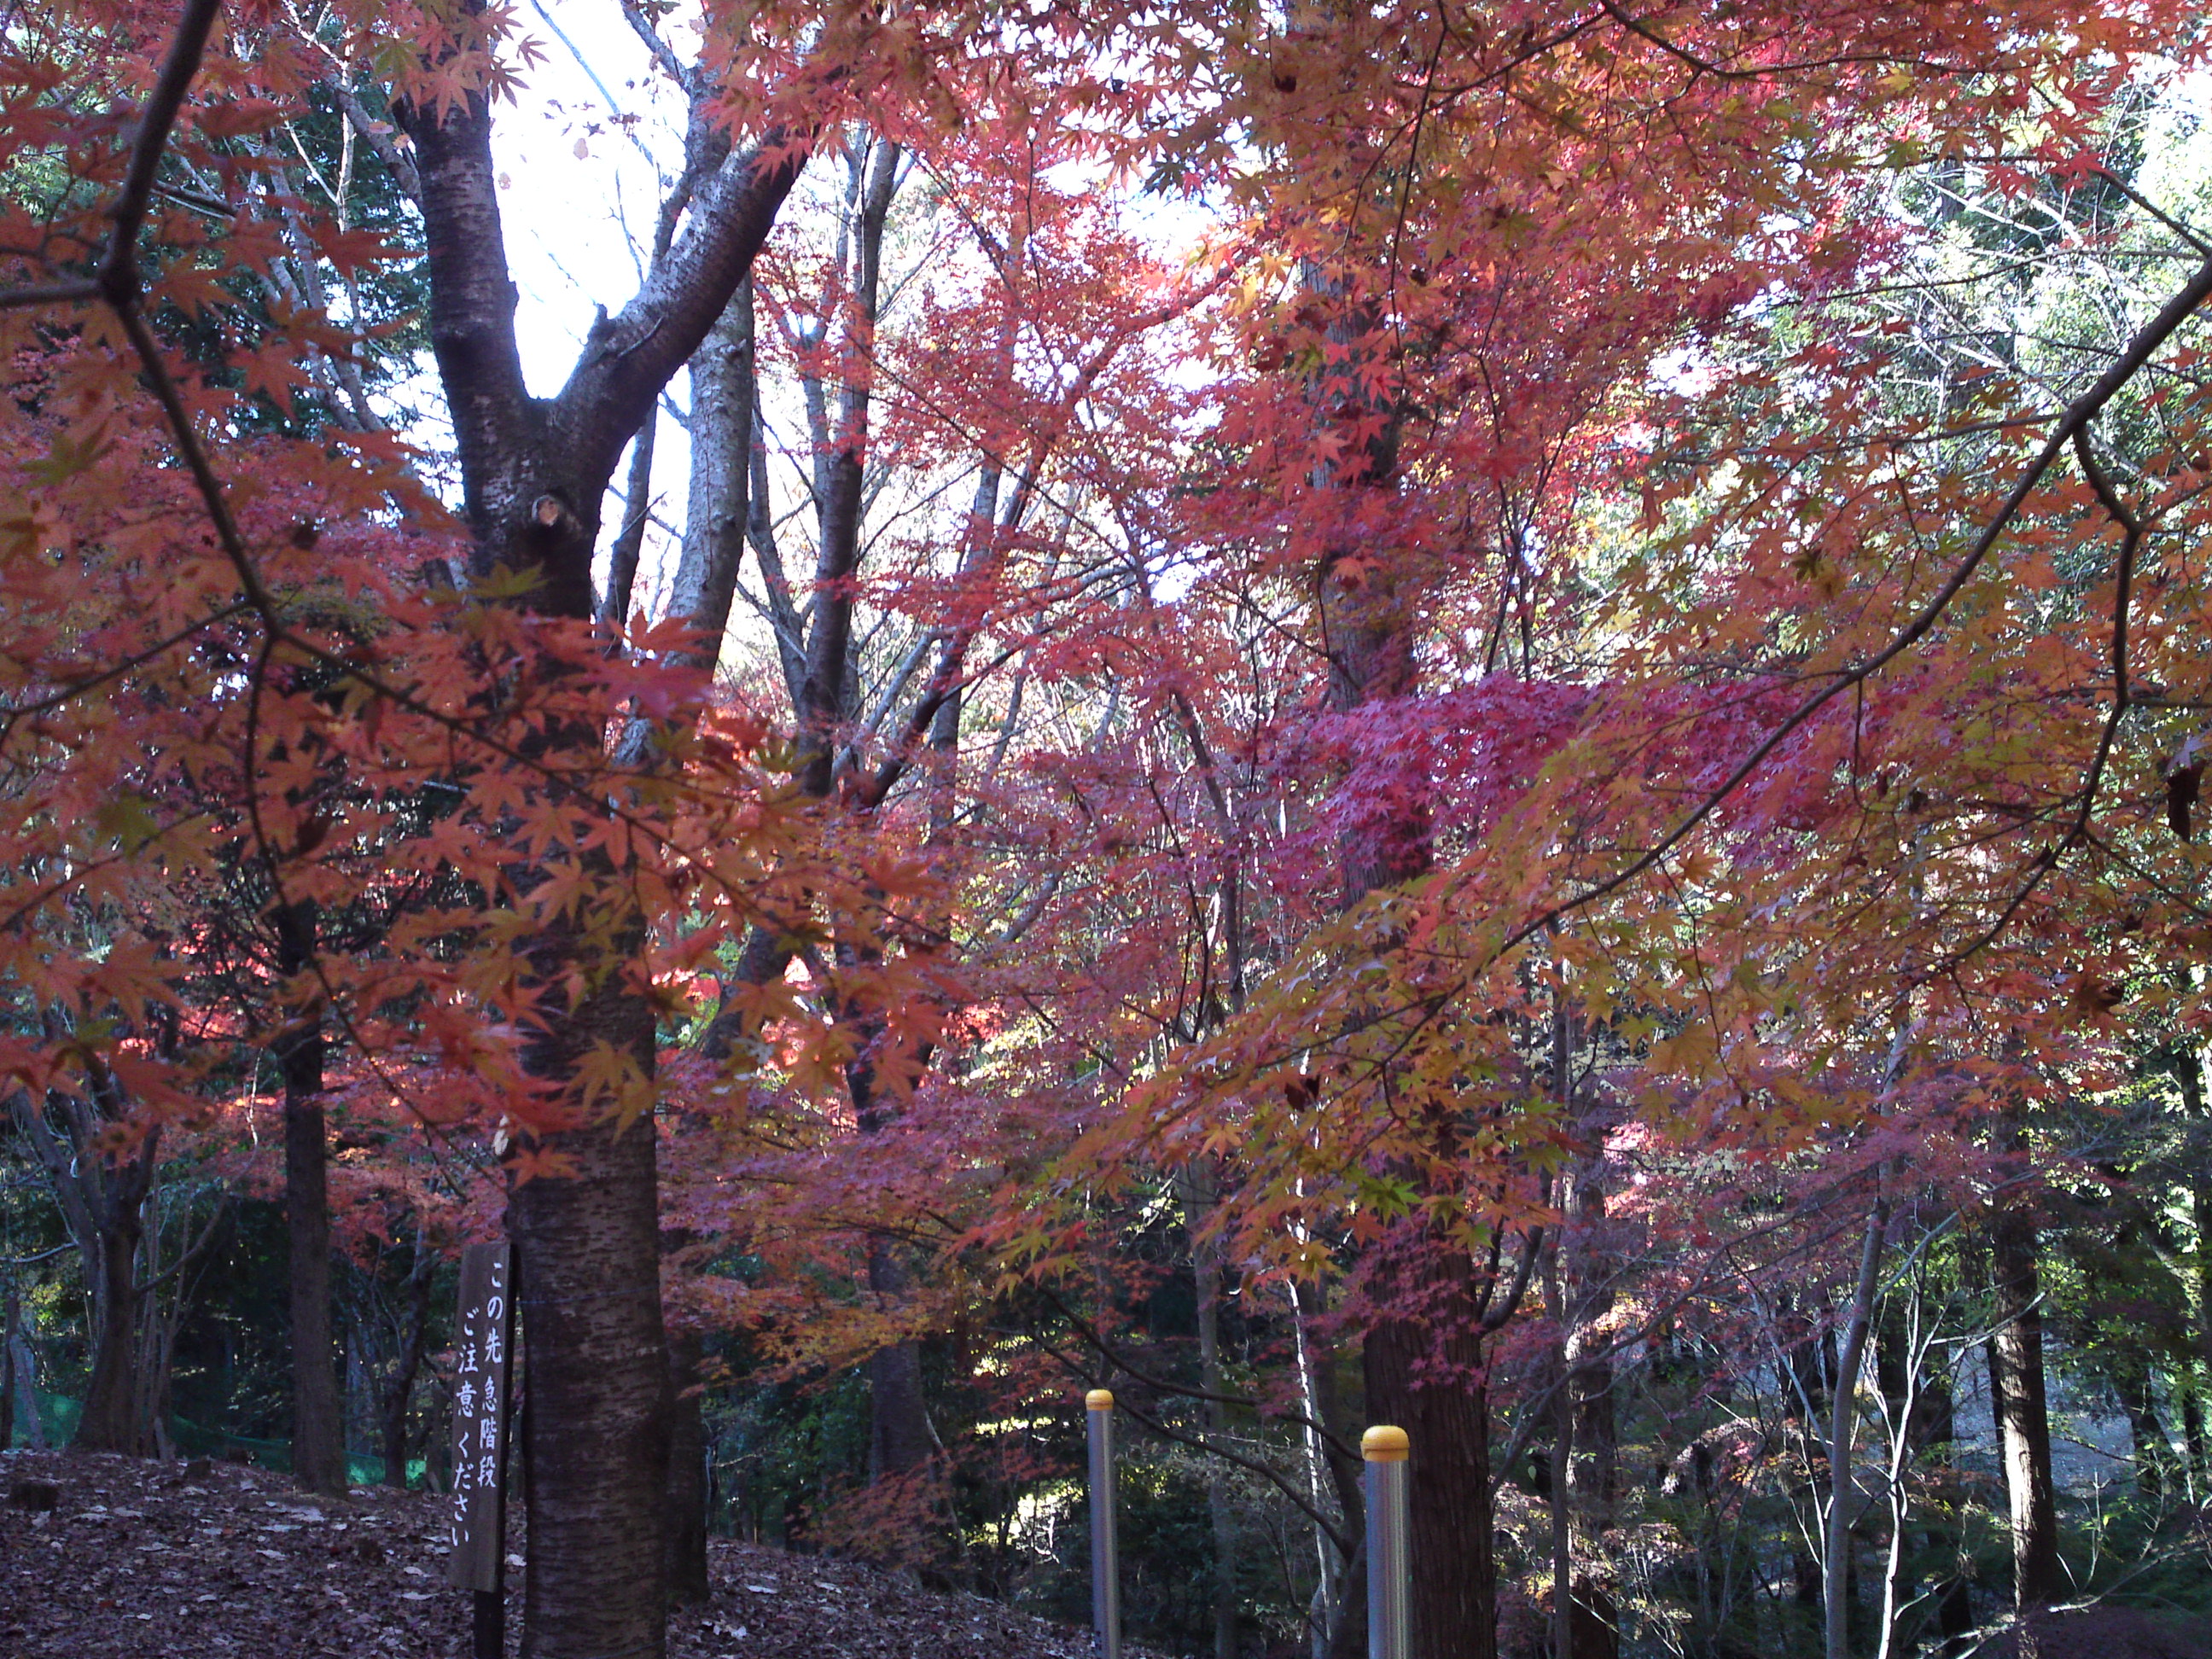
{"points": [[144, 1560]]}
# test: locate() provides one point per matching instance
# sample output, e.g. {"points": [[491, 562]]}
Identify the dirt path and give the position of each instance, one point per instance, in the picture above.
{"points": [[141, 1561]]}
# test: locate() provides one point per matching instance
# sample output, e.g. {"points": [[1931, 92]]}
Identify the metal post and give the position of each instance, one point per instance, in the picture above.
{"points": [[1105, 1561], [1389, 1585]]}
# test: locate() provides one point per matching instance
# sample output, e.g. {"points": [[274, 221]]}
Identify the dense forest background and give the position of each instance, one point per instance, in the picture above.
{"points": [[1487, 717]]}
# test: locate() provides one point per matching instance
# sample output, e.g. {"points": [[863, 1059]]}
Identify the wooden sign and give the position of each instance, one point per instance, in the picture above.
{"points": [[479, 1524]]}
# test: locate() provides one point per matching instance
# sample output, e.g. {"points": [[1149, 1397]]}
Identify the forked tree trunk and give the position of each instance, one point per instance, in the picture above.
{"points": [[111, 1422], [534, 474], [103, 1204], [2023, 1413]]}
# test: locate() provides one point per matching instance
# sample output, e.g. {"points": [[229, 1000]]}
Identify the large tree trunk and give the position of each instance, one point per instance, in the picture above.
{"points": [[595, 1362], [899, 1440], [317, 1445], [1425, 1376], [111, 1421], [2022, 1413], [534, 475], [1371, 618]]}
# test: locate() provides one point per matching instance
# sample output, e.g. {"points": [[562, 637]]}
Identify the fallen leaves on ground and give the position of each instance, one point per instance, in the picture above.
{"points": [[146, 1560]]}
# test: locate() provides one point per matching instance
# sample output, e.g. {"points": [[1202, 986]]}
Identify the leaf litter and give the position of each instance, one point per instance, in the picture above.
{"points": [[146, 1560]]}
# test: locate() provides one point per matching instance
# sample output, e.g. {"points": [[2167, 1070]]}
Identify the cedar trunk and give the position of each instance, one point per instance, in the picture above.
{"points": [[1447, 1418], [1423, 1374], [2023, 1415], [317, 1446]]}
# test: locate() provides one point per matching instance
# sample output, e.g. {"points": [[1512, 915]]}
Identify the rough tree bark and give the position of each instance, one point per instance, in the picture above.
{"points": [[103, 1205], [317, 1439], [1424, 1372], [1593, 1474], [2023, 1413], [534, 475]]}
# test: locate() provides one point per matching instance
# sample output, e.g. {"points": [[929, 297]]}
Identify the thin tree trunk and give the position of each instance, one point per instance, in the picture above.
{"points": [[2198, 1378], [2017, 1387], [399, 1390], [11, 1311], [1563, 1457], [2147, 1442], [1593, 1476], [724, 383], [1206, 1272], [1329, 1465], [1843, 1434], [841, 476], [318, 1444], [1953, 1593], [26, 1392]]}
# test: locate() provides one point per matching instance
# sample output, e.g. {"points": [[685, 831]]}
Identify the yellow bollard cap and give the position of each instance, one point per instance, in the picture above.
{"points": [[1099, 1400], [1384, 1444]]}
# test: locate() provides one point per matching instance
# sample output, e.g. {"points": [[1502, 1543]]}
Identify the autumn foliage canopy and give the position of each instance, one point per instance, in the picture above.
{"points": [[1443, 611]]}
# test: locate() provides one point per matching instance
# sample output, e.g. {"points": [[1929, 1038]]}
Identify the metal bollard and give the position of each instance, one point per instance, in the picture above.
{"points": [[1389, 1584], [1105, 1561]]}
